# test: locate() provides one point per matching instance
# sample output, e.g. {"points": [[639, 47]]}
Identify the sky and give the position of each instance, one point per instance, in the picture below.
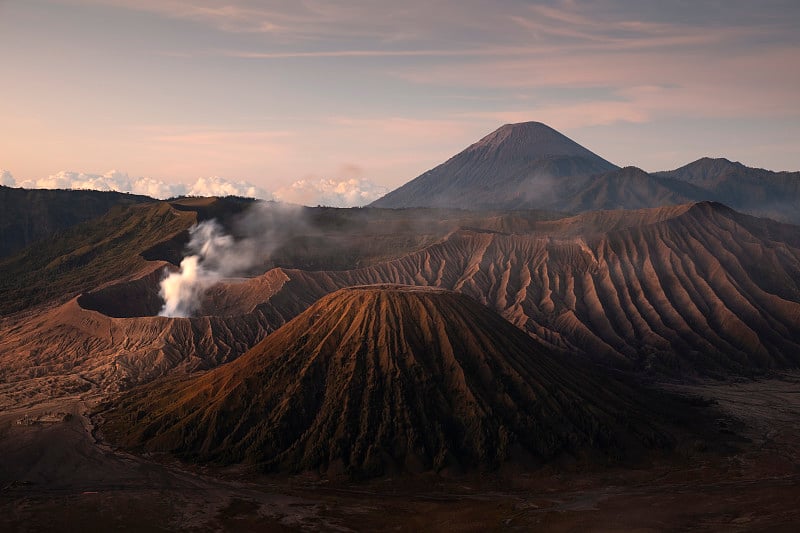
{"points": [[340, 101]]}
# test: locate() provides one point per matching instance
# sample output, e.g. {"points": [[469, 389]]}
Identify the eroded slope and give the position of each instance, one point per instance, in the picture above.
{"points": [[376, 379], [681, 290]]}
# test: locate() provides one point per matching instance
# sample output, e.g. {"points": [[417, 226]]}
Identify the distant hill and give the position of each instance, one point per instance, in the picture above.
{"points": [[381, 379], [28, 215], [526, 165], [112, 246], [630, 188], [532, 166], [753, 190]]}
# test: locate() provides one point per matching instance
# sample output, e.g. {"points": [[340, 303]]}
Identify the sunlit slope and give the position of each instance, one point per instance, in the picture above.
{"points": [[29, 215], [685, 289], [371, 380]]}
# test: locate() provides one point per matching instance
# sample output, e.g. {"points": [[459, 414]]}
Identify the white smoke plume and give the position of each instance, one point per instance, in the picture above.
{"points": [[331, 193], [114, 180], [212, 255], [182, 291]]}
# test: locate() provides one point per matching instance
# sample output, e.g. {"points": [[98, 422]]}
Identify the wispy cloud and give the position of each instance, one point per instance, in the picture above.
{"points": [[394, 86], [367, 53], [216, 137]]}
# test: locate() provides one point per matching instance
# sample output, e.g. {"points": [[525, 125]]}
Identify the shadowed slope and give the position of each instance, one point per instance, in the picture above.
{"points": [[687, 289], [116, 246], [88, 255], [753, 190], [374, 379], [29, 215], [531, 166], [631, 188]]}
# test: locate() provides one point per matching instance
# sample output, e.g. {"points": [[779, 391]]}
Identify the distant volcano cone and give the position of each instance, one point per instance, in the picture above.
{"points": [[384, 378], [525, 165]]}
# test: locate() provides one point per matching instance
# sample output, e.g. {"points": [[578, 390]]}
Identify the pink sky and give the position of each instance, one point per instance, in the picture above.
{"points": [[273, 93]]}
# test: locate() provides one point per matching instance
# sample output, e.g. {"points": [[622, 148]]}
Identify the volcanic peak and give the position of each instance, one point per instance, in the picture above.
{"points": [[378, 379], [532, 140], [518, 166]]}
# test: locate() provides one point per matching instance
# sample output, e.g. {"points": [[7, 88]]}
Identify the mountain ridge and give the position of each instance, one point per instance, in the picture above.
{"points": [[29, 215], [531, 166], [507, 168], [384, 378]]}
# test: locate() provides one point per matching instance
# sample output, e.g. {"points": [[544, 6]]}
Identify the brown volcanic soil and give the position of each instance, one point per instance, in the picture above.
{"points": [[683, 290], [680, 290], [376, 379], [66, 349], [56, 477]]}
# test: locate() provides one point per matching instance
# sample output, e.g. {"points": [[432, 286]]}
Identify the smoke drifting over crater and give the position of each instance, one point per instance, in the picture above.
{"points": [[182, 291], [213, 255]]}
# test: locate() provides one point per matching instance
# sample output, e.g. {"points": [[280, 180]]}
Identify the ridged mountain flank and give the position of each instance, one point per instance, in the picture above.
{"points": [[678, 290], [525, 165], [27, 216], [754, 190], [379, 379]]}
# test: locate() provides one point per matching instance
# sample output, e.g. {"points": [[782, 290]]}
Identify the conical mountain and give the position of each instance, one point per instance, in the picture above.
{"points": [[525, 165], [376, 379]]}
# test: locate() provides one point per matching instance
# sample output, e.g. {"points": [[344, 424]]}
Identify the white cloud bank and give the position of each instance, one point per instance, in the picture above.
{"points": [[332, 193], [216, 186], [310, 191], [121, 182], [7, 179]]}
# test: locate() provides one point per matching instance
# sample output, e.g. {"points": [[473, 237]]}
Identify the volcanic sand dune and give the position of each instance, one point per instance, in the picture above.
{"points": [[376, 379]]}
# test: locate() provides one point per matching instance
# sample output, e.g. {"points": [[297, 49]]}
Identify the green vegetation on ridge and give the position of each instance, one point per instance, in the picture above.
{"points": [[87, 255]]}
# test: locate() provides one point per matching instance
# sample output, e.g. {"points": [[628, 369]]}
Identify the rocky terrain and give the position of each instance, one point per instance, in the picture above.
{"points": [[756, 191], [27, 216], [632, 346], [379, 379], [685, 290], [692, 290]]}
